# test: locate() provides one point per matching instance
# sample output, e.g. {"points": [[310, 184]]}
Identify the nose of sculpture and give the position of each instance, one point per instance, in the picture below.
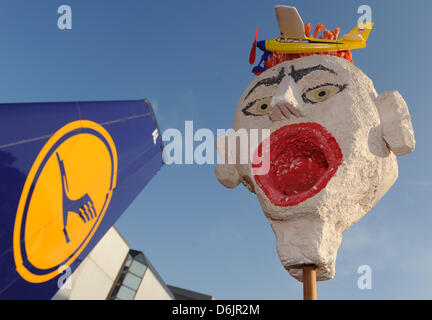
{"points": [[286, 101]]}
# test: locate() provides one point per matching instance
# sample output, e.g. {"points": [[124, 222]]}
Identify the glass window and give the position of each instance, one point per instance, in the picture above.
{"points": [[122, 275], [137, 268], [125, 293], [130, 278], [132, 281], [128, 261], [114, 293]]}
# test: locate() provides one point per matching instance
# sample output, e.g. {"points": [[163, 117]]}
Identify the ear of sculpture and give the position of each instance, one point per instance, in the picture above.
{"points": [[396, 123], [226, 173]]}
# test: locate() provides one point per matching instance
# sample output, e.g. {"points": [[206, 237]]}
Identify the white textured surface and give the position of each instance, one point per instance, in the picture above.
{"points": [[365, 126], [396, 123]]}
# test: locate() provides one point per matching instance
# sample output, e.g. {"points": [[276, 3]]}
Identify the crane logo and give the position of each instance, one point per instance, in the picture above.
{"points": [[64, 199], [83, 206]]}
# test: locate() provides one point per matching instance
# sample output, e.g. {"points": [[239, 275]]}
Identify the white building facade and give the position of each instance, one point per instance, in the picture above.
{"points": [[114, 271]]}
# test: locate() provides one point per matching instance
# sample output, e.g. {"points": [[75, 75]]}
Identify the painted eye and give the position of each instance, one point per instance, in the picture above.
{"points": [[321, 93], [258, 108]]}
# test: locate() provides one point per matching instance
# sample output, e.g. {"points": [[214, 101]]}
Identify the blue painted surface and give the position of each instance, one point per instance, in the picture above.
{"points": [[26, 127]]}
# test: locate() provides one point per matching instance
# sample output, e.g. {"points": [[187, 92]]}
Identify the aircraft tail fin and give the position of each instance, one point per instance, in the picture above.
{"points": [[359, 33]]}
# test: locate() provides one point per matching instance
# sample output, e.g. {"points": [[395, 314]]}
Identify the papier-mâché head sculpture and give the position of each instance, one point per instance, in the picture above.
{"points": [[333, 148]]}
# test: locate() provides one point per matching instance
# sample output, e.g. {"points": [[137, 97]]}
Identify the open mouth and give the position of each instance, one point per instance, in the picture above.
{"points": [[303, 158]]}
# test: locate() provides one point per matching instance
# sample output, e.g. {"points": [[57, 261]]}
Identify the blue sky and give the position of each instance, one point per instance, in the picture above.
{"points": [[190, 59]]}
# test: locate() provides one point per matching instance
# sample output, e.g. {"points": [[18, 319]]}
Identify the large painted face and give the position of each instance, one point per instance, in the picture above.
{"points": [[330, 161]]}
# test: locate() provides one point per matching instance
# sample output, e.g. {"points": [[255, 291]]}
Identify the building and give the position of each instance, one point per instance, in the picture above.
{"points": [[114, 271], [183, 294]]}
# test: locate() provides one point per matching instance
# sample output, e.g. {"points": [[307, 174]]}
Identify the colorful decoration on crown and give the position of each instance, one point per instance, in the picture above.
{"points": [[295, 41]]}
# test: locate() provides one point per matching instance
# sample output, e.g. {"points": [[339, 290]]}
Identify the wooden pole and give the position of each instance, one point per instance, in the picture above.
{"points": [[309, 283]]}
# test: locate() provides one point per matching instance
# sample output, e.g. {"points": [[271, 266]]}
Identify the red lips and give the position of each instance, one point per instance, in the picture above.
{"points": [[303, 158]]}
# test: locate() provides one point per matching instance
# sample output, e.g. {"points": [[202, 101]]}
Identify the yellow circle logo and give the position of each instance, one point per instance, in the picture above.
{"points": [[64, 199]]}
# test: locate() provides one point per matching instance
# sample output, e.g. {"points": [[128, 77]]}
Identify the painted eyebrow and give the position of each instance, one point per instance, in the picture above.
{"points": [[268, 81], [297, 75]]}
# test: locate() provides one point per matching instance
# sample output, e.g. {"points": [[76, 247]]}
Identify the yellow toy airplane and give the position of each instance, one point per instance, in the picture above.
{"points": [[293, 38]]}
